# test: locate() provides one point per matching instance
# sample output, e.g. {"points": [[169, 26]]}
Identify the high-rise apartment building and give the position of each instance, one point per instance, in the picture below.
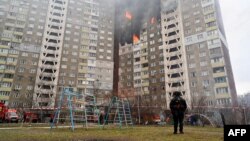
{"points": [[52, 44], [187, 53], [21, 26], [208, 63]]}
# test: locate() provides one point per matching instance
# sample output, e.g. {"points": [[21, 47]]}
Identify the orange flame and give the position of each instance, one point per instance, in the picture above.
{"points": [[135, 39], [128, 15]]}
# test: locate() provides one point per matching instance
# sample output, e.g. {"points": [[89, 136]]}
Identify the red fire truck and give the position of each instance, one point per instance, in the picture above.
{"points": [[8, 115]]}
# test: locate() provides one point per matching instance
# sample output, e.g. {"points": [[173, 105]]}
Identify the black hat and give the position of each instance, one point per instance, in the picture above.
{"points": [[176, 93]]}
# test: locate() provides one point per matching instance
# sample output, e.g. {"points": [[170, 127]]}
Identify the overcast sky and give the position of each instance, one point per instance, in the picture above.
{"points": [[236, 18]]}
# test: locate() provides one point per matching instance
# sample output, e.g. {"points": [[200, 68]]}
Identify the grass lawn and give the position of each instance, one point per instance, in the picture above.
{"points": [[142, 133]]}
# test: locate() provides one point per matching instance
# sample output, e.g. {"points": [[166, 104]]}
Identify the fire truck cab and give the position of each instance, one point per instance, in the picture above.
{"points": [[8, 115], [11, 116]]}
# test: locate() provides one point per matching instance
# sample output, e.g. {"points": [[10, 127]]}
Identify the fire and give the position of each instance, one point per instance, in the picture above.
{"points": [[128, 15], [135, 39], [152, 20]]}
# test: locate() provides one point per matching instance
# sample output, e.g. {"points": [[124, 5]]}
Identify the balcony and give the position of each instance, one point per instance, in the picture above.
{"points": [[20, 26], [55, 24], [211, 28], [50, 59], [4, 97], [58, 5], [220, 74], [137, 70], [48, 66], [171, 89], [173, 80], [210, 20], [4, 46], [219, 85], [214, 45], [56, 17], [18, 33], [6, 89], [45, 91], [11, 17], [10, 71], [52, 83], [5, 39], [52, 44], [144, 76], [82, 71], [16, 40], [55, 30], [57, 11], [137, 77], [11, 63], [7, 79], [2, 62], [144, 84], [47, 74], [54, 37], [51, 51], [218, 64], [208, 11], [10, 24], [222, 95]]}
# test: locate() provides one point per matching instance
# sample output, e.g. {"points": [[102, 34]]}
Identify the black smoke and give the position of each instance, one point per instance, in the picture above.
{"points": [[141, 10]]}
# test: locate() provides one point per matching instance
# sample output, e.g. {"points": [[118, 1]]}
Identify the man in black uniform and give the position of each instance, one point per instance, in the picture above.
{"points": [[178, 107]]}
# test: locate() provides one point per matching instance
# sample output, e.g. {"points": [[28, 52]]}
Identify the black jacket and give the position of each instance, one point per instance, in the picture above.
{"points": [[178, 105]]}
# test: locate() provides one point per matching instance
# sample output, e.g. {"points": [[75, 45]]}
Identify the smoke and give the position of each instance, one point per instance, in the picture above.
{"points": [[168, 5], [142, 11]]}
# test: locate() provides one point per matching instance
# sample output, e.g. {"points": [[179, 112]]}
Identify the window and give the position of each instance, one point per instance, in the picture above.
{"points": [[35, 55], [30, 87], [162, 79], [24, 54], [192, 65], [214, 42], [202, 54], [212, 33], [32, 70], [222, 90], [189, 39], [204, 73], [187, 24], [22, 61], [211, 24], [18, 87], [152, 57], [152, 49], [200, 36], [64, 66], [190, 56], [218, 70], [21, 70], [68, 25], [193, 84], [193, 74], [217, 59], [208, 8], [220, 79], [205, 83], [197, 29], [128, 84]]}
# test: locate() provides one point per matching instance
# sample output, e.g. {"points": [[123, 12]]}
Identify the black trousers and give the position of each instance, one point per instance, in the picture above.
{"points": [[178, 120]]}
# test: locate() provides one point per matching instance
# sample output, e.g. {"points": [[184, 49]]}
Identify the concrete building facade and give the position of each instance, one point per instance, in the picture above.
{"points": [[193, 56], [72, 41]]}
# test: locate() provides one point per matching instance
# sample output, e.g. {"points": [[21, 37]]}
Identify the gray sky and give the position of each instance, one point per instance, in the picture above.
{"points": [[236, 18]]}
